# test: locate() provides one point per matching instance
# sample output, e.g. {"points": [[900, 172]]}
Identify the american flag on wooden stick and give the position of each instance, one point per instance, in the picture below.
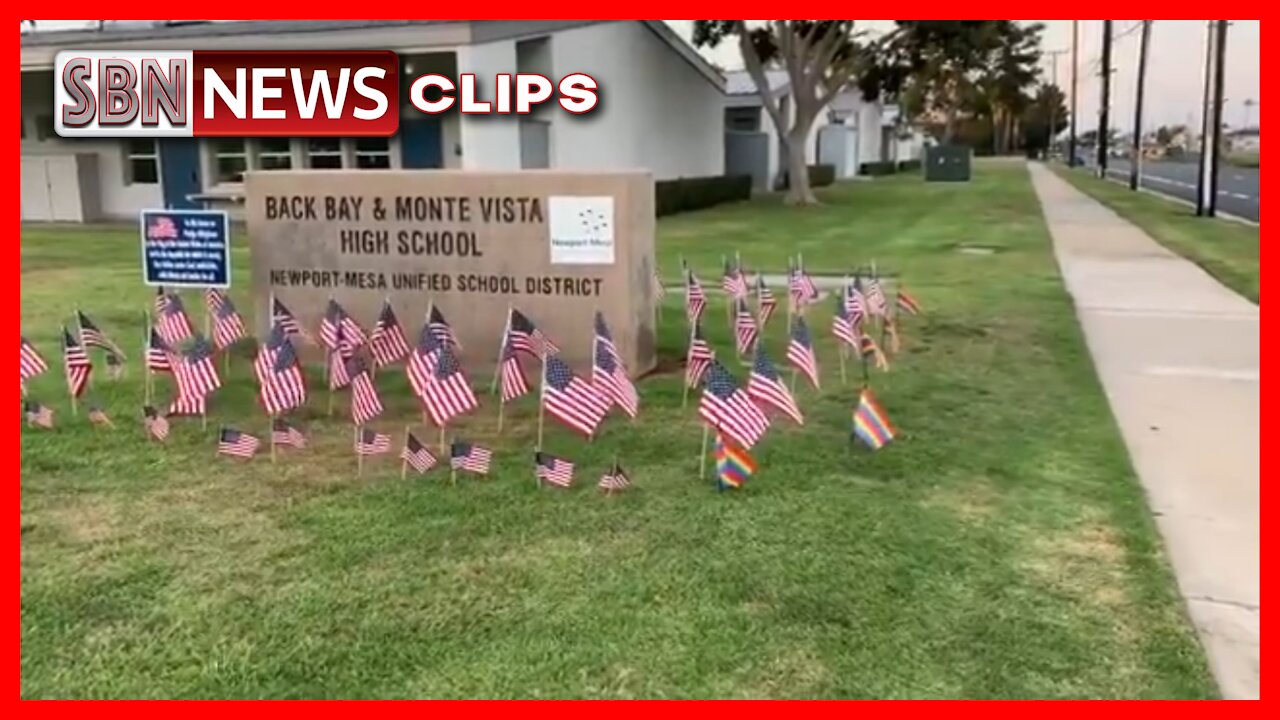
{"points": [[800, 287], [695, 299], [76, 363], [727, 408], [800, 350], [551, 469], [767, 388], [37, 415], [365, 403], [387, 342], [766, 303], [449, 393], [91, 336], [282, 316], [659, 291], [514, 384], [734, 282], [171, 319], [187, 405], [369, 442], [570, 399], [159, 354], [237, 444], [417, 455], [97, 415], [841, 326], [421, 368], [337, 361], [608, 374], [339, 331], [855, 303], [282, 433], [194, 370], [281, 383], [468, 457], [698, 359], [157, 426], [527, 338], [158, 303], [907, 302], [876, 303], [615, 479], [744, 328], [30, 362], [228, 326], [115, 365], [870, 349], [440, 328]]}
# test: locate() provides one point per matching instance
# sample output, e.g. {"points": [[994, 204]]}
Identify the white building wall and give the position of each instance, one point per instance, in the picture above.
{"points": [[489, 142], [656, 111], [869, 135]]}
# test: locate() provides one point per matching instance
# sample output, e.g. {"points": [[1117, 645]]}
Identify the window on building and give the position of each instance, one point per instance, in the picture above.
{"points": [[274, 154], [743, 119], [141, 162], [373, 153], [230, 160], [324, 153]]}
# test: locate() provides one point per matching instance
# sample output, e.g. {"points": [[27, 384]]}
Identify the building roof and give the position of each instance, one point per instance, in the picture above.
{"points": [[39, 46], [739, 82]]}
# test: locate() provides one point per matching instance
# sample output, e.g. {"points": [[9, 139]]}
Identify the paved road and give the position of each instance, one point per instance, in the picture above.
{"points": [[1237, 187], [1188, 411]]}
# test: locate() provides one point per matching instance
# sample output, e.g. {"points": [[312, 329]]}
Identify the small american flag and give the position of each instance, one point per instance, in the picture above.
{"points": [[441, 329], [228, 326], [695, 300], [698, 358], [449, 393], [282, 433], [387, 342], [744, 328], [870, 349], [841, 326], [115, 365], [417, 455], [194, 370], [766, 387], [281, 383], [800, 287], [800, 350], [728, 409], [609, 375], [162, 228], [157, 426], [30, 362], [615, 479], [171, 319], [472, 458], [855, 303], [159, 354], [97, 415], [526, 337], [369, 442], [907, 303], [571, 399], [76, 363], [876, 303], [659, 291], [160, 300], [91, 336], [237, 444], [734, 282], [365, 403], [188, 405], [338, 377], [421, 368], [37, 414], [554, 470], [514, 384], [339, 331], [766, 303], [891, 335], [280, 315]]}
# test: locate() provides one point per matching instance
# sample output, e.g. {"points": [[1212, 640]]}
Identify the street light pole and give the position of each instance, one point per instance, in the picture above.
{"points": [[1135, 167], [1075, 63], [1053, 105], [1104, 114]]}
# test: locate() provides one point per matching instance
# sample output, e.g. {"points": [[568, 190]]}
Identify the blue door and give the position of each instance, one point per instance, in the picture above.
{"points": [[420, 144], [179, 172]]}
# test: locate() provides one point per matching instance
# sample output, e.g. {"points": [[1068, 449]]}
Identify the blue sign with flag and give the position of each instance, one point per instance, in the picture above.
{"points": [[186, 248]]}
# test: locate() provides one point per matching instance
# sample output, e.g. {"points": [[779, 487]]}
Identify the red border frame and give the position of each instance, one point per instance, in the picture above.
{"points": [[331, 9]]}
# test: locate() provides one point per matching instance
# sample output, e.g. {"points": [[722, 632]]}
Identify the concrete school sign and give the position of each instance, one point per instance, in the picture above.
{"points": [[558, 246]]}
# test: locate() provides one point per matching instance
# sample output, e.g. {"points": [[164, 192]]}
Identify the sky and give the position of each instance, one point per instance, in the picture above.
{"points": [[1175, 67]]}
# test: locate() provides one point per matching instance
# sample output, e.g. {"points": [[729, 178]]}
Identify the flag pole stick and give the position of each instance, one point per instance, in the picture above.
{"points": [[146, 358], [359, 455], [73, 405], [542, 392], [272, 432], [502, 409], [866, 371], [724, 263], [684, 400], [204, 414], [844, 378], [453, 474], [794, 373], [404, 463], [502, 347], [702, 455]]}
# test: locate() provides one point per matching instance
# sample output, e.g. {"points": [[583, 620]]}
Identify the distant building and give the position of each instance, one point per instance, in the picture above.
{"points": [[1243, 141]]}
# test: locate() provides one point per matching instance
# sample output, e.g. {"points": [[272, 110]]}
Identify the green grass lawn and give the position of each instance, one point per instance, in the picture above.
{"points": [[1225, 249], [1000, 547]]}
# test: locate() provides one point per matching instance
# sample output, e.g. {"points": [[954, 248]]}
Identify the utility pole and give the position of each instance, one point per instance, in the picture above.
{"points": [[1104, 114], [1135, 167], [1248, 111], [1211, 127], [1075, 63], [1053, 105]]}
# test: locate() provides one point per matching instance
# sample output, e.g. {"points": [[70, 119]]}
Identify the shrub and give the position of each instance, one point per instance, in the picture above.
{"points": [[821, 175], [878, 168], [684, 194], [908, 166]]}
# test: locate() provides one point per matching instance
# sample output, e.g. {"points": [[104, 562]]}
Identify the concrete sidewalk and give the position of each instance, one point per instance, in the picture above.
{"points": [[1178, 357]]}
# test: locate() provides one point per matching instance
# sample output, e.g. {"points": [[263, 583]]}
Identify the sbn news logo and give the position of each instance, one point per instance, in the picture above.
{"points": [[277, 93]]}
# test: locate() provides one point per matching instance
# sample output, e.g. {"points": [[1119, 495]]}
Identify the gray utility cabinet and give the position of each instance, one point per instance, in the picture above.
{"points": [[948, 163]]}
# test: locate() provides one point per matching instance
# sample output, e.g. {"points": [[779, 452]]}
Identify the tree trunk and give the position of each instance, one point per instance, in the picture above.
{"points": [[798, 190]]}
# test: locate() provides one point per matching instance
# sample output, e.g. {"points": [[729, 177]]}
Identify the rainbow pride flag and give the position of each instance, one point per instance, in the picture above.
{"points": [[871, 423], [733, 464]]}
